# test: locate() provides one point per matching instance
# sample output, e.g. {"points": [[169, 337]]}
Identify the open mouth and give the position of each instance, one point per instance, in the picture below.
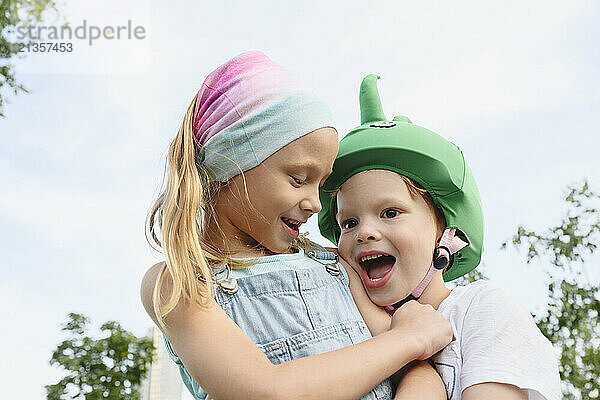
{"points": [[376, 269], [292, 225]]}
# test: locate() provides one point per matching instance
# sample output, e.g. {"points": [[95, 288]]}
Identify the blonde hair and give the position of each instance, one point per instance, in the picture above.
{"points": [[180, 216]]}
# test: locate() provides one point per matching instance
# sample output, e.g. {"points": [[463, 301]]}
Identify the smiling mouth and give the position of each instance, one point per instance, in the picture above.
{"points": [[292, 225], [376, 269]]}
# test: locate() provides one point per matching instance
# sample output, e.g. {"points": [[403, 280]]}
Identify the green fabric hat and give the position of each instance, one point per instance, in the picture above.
{"points": [[417, 153]]}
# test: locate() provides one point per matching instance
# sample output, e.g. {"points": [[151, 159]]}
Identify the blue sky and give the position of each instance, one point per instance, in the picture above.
{"points": [[514, 85]]}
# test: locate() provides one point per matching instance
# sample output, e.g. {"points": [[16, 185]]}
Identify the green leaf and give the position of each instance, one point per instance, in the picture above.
{"points": [[14, 13], [111, 366], [571, 320]]}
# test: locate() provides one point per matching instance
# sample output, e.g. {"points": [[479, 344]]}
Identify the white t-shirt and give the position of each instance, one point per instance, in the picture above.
{"points": [[496, 340]]}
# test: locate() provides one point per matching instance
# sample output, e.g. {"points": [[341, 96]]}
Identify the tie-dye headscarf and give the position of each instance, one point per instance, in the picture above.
{"points": [[249, 108]]}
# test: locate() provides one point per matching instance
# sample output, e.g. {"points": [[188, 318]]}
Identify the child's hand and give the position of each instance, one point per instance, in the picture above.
{"points": [[431, 331]]}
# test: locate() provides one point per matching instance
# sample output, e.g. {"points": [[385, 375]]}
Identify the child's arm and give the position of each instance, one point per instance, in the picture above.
{"points": [[225, 362], [494, 391], [419, 380]]}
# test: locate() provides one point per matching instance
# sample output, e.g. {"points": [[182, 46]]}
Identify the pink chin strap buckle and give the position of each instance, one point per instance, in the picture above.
{"points": [[449, 244]]}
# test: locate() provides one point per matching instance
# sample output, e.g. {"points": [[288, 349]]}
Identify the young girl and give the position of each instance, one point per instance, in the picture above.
{"points": [[406, 214], [248, 308]]}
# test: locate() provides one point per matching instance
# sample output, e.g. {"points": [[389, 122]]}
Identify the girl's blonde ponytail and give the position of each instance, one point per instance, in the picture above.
{"points": [[177, 217]]}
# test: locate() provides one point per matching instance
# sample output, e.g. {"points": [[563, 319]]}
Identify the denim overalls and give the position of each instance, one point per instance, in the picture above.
{"points": [[292, 306]]}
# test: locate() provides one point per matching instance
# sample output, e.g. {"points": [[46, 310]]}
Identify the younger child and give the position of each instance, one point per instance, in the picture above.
{"points": [[406, 215], [248, 309]]}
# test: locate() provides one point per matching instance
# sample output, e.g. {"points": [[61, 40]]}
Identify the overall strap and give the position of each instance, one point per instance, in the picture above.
{"points": [[322, 255]]}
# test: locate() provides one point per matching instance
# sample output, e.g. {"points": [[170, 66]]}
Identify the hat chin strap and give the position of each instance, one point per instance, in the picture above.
{"points": [[449, 244]]}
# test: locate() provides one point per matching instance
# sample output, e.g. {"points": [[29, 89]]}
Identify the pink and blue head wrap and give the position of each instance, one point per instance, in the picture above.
{"points": [[249, 108]]}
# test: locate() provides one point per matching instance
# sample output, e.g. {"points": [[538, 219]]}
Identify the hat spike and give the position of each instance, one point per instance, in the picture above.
{"points": [[370, 103]]}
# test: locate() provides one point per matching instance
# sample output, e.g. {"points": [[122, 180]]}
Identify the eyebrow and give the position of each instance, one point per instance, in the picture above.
{"points": [[304, 164], [308, 165]]}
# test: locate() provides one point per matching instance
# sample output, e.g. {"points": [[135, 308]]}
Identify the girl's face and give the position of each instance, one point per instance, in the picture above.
{"points": [[265, 207], [387, 235]]}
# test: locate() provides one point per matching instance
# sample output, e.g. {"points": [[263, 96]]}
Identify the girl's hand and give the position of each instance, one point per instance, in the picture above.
{"points": [[431, 331]]}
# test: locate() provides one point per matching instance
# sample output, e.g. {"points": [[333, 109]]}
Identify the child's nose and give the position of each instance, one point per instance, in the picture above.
{"points": [[367, 232]]}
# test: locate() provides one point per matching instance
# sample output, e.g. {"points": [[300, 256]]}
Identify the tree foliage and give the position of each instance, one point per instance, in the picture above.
{"points": [[110, 367], [571, 321], [14, 13]]}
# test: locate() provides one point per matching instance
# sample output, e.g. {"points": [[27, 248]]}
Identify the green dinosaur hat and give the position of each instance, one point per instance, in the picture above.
{"points": [[417, 153]]}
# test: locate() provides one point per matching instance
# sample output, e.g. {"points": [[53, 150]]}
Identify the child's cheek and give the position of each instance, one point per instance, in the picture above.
{"points": [[345, 250]]}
